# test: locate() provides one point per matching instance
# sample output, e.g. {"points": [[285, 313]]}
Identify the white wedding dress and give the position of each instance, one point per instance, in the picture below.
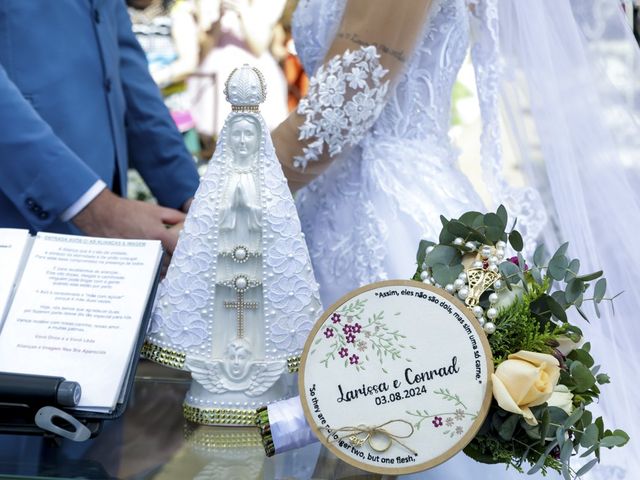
{"points": [[364, 216]]}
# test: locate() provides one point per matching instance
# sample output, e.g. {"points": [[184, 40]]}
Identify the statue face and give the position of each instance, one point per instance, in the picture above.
{"points": [[237, 358], [244, 138]]}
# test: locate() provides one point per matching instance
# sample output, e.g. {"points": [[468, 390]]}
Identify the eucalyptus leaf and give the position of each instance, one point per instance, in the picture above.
{"points": [[501, 212], [582, 356], [572, 270], [509, 427], [538, 255], [558, 267], [590, 436], [573, 418], [493, 220], [603, 379], [586, 467], [443, 254], [537, 276], [582, 376], [446, 274], [515, 239], [613, 441], [469, 217], [510, 271], [562, 250], [565, 452], [556, 309], [591, 276], [599, 290], [574, 289], [458, 228]]}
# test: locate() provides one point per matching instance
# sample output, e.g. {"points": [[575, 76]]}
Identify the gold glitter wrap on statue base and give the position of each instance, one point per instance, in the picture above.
{"points": [[163, 356], [220, 416]]}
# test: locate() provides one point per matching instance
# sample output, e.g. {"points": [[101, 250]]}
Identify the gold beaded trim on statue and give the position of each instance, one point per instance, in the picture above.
{"points": [[219, 416], [245, 108], [262, 419], [293, 364], [163, 356], [210, 438]]}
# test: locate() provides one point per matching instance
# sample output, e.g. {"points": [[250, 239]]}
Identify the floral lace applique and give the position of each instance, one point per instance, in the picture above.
{"points": [[345, 98]]}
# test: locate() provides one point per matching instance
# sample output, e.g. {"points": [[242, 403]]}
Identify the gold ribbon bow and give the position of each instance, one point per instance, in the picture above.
{"points": [[378, 438]]}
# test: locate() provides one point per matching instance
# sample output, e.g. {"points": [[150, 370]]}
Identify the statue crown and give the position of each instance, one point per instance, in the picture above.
{"points": [[245, 89]]}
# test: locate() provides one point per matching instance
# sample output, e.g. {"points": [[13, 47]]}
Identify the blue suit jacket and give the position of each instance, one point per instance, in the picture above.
{"points": [[77, 102]]}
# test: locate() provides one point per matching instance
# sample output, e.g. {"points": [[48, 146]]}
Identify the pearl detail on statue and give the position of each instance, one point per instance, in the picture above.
{"points": [[470, 245], [424, 275], [492, 313], [458, 242], [463, 293], [240, 253], [450, 288], [427, 281], [486, 252], [477, 264], [458, 283], [481, 321], [490, 328], [501, 244], [498, 285], [478, 311], [463, 276], [493, 268], [241, 283], [493, 298], [500, 253]]}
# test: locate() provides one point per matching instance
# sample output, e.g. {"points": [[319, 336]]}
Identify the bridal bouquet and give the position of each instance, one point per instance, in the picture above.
{"points": [[545, 377]]}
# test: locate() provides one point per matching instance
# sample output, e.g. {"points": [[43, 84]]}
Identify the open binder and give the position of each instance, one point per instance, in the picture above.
{"points": [[23, 325]]}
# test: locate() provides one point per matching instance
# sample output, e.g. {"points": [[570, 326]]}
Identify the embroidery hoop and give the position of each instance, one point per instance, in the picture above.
{"points": [[321, 432]]}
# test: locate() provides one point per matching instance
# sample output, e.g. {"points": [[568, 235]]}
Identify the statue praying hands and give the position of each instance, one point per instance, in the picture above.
{"points": [[240, 297]]}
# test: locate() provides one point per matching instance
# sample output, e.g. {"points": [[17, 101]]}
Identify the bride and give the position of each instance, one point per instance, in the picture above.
{"points": [[368, 148]]}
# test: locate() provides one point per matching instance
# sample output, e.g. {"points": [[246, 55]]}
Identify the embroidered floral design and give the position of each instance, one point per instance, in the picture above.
{"points": [[290, 294], [368, 334], [345, 97], [456, 422]]}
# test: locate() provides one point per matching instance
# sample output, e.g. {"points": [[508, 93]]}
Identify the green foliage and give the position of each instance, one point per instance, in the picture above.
{"points": [[536, 321]]}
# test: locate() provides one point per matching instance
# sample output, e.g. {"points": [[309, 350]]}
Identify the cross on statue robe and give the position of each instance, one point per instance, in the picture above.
{"points": [[240, 305]]}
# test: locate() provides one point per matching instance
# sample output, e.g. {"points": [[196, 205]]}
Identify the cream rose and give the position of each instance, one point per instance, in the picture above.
{"points": [[525, 380]]}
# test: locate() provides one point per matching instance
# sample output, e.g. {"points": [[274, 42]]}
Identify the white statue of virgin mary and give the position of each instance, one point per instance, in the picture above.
{"points": [[240, 297]]}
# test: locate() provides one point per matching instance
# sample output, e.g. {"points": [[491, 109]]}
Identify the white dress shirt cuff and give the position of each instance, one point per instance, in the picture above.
{"points": [[83, 201]]}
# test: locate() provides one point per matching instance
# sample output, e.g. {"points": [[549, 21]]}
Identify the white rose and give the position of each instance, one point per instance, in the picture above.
{"points": [[561, 398]]}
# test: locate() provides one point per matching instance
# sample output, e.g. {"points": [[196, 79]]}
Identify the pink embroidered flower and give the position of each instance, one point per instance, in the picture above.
{"points": [[351, 338], [343, 352], [356, 328], [328, 332], [353, 359], [335, 318], [437, 422]]}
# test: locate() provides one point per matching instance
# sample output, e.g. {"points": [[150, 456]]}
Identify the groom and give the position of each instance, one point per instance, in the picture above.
{"points": [[77, 107]]}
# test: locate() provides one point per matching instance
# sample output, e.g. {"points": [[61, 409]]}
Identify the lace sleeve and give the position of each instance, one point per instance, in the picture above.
{"points": [[525, 204], [350, 88], [345, 97]]}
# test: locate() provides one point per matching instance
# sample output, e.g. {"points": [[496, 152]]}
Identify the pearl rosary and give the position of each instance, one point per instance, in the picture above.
{"points": [[487, 260]]}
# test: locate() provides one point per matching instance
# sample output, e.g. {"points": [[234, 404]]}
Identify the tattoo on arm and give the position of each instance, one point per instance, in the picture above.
{"points": [[355, 38]]}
